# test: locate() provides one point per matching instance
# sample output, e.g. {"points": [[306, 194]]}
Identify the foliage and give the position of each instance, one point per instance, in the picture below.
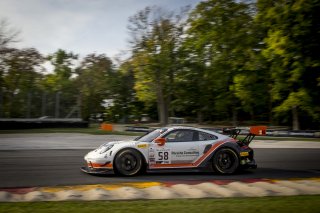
{"points": [[21, 79], [292, 43], [94, 81], [223, 60], [60, 85], [155, 40], [218, 58]]}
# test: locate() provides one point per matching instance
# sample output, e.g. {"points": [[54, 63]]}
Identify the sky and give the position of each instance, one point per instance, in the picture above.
{"points": [[80, 26]]}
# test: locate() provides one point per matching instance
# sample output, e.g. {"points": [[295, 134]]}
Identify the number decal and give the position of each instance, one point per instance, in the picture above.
{"points": [[162, 156], [166, 155]]}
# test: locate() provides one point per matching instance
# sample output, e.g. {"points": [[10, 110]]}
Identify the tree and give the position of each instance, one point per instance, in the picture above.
{"points": [[155, 39], [59, 85], [95, 78], [21, 80], [126, 104], [220, 42], [7, 36], [292, 44]]}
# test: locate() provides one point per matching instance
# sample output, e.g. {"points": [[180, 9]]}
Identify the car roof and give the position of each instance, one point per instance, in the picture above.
{"points": [[181, 127], [170, 128], [189, 128]]}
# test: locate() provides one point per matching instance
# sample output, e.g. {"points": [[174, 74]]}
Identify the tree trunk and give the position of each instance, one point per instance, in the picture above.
{"points": [[44, 104], [234, 117], [295, 118], [252, 115], [200, 116], [57, 105], [1, 103], [10, 105], [270, 111], [162, 107], [162, 111], [79, 103], [29, 97]]}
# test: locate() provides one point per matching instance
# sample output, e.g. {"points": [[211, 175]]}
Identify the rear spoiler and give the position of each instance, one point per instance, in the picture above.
{"points": [[252, 132]]}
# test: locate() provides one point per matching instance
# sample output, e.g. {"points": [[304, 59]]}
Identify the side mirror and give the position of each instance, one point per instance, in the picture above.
{"points": [[160, 141]]}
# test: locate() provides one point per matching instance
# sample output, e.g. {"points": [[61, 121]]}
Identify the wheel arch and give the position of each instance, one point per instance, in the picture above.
{"points": [[231, 145], [144, 160], [235, 149]]}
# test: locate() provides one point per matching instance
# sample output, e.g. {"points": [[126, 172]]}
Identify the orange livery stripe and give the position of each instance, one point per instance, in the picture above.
{"points": [[97, 165], [191, 165]]}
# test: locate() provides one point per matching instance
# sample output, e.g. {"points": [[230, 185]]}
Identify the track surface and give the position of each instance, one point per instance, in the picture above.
{"points": [[27, 168]]}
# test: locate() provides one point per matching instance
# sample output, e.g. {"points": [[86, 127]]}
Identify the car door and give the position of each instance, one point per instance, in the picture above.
{"points": [[180, 150]]}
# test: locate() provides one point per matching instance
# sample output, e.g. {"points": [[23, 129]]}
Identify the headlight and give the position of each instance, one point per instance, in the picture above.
{"points": [[105, 148]]}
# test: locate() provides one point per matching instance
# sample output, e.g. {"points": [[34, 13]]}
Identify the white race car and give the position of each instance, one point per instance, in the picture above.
{"points": [[174, 148]]}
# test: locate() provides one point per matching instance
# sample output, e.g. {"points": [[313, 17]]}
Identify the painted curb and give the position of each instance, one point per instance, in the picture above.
{"points": [[165, 190]]}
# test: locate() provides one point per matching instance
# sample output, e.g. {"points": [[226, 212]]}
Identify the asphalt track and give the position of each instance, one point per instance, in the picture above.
{"points": [[28, 168]]}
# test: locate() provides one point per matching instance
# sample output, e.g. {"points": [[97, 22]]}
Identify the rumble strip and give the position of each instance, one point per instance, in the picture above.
{"points": [[165, 190]]}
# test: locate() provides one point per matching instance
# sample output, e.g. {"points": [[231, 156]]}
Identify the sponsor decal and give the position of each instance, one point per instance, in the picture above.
{"points": [[244, 154], [192, 152], [143, 146], [152, 159], [185, 153]]}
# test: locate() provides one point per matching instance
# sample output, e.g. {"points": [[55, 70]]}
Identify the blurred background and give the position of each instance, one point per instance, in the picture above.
{"points": [[219, 62]]}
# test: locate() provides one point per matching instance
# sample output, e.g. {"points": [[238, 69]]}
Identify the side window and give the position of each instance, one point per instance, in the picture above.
{"points": [[203, 136], [180, 136]]}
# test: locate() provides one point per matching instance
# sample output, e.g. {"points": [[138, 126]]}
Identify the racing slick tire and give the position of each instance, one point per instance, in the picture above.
{"points": [[128, 162], [225, 161]]}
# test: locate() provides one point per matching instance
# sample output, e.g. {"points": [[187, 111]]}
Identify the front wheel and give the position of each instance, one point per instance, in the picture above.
{"points": [[225, 161], [128, 162]]}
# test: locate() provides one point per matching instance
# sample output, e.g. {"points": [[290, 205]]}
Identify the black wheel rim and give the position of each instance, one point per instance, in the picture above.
{"points": [[225, 160], [128, 162]]}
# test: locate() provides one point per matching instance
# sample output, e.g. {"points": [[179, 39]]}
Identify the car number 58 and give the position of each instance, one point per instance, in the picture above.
{"points": [[163, 156]]}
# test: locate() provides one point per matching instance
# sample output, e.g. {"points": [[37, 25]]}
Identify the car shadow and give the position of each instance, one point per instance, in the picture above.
{"points": [[196, 175]]}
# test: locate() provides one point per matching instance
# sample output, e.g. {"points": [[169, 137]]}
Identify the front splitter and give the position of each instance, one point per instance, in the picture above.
{"points": [[96, 171]]}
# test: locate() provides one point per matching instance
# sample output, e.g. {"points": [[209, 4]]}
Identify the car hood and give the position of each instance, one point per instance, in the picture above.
{"points": [[96, 152], [118, 142], [112, 143]]}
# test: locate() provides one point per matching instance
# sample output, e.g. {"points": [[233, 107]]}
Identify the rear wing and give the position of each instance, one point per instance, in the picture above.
{"points": [[252, 132]]}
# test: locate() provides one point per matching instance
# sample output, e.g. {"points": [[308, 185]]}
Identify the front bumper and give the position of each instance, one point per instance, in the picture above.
{"points": [[101, 167], [100, 171]]}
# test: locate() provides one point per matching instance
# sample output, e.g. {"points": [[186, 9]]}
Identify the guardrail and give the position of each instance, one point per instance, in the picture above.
{"points": [[138, 129], [7, 124]]}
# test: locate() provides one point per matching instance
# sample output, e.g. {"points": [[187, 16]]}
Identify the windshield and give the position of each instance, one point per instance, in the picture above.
{"points": [[149, 137]]}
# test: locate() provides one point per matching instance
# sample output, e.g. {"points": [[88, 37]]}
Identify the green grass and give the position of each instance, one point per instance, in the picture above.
{"points": [[299, 204]]}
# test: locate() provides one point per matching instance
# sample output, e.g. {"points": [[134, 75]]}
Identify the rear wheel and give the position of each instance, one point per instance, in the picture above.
{"points": [[128, 162], [225, 161]]}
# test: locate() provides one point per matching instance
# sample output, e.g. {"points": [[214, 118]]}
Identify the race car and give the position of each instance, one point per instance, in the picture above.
{"points": [[175, 148]]}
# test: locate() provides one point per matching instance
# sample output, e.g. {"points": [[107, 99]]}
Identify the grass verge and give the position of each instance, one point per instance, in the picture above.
{"points": [[305, 204]]}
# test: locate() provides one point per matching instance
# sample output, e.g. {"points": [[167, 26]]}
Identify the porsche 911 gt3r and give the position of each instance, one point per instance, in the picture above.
{"points": [[174, 148]]}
